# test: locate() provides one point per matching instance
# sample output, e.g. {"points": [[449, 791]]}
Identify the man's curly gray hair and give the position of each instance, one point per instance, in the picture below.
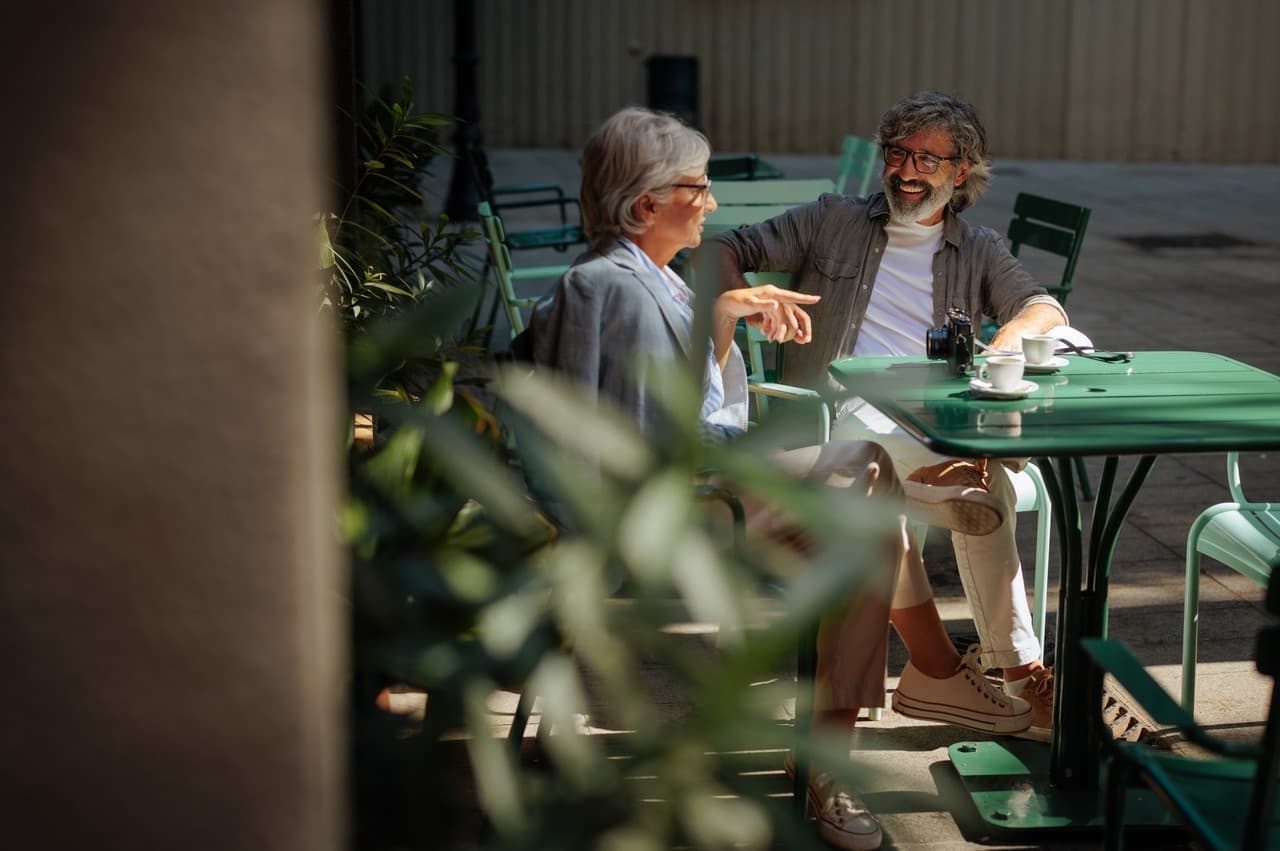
{"points": [[929, 109]]}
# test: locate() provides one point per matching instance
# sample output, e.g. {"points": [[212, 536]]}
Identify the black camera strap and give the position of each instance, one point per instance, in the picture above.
{"points": [[1067, 346], [1094, 354]]}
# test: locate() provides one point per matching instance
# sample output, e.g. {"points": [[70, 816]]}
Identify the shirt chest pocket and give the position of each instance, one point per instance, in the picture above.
{"points": [[836, 275]]}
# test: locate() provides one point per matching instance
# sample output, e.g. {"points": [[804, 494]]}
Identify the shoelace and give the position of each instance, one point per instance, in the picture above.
{"points": [[1042, 686], [973, 673], [947, 473]]}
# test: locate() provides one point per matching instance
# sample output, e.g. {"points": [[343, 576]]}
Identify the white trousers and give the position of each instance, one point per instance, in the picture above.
{"points": [[990, 570]]}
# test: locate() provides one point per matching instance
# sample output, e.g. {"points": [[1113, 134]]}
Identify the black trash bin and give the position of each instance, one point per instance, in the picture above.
{"points": [[672, 86]]}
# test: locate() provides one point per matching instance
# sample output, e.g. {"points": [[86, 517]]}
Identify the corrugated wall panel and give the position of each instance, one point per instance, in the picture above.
{"points": [[1089, 79]]}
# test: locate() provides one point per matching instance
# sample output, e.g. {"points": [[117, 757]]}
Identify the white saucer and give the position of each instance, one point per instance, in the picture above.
{"points": [[984, 389], [1053, 364]]}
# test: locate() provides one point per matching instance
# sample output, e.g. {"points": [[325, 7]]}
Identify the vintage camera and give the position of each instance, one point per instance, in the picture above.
{"points": [[952, 342]]}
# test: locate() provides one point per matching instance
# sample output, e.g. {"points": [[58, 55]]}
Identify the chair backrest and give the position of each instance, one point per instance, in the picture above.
{"points": [[500, 260], [1234, 483], [757, 345], [764, 365], [1053, 226], [858, 159]]}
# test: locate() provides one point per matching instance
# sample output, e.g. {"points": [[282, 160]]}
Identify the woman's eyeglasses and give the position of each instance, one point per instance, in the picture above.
{"points": [[702, 188], [925, 163]]}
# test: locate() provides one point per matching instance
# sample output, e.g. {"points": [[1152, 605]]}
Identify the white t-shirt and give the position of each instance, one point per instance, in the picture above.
{"points": [[901, 307]]}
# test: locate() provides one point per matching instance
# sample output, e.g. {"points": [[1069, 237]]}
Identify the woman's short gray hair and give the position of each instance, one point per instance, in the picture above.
{"points": [[636, 151], [925, 110]]}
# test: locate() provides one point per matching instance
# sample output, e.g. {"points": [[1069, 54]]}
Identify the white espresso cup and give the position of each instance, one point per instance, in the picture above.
{"points": [[1002, 373], [1039, 348]]}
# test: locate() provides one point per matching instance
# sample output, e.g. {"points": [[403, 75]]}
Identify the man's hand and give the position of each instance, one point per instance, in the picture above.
{"points": [[775, 311], [1033, 319]]}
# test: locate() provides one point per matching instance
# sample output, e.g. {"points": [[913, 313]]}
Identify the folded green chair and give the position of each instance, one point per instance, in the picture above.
{"points": [[1227, 800], [858, 161], [1243, 535]]}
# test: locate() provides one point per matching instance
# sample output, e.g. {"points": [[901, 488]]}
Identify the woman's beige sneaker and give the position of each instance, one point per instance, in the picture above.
{"points": [[843, 820], [966, 699]]}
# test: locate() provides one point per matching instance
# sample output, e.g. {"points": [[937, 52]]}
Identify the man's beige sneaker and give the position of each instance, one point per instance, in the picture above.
{"points": [[953, 495], [1038, 691], [966, 699]]}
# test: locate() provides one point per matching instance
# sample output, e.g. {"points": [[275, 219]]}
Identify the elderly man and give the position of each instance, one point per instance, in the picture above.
{"points": [[887, 268]]}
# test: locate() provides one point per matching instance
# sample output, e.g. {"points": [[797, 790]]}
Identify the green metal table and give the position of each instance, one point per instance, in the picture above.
{"points": [[1158, 403], [769, 192]]}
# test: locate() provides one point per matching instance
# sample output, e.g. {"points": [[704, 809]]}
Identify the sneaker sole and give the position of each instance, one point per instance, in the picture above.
{"points": [[1034, 734], [829, 832], [906, 705], [963, 510], [849, 841], [842, 838]]}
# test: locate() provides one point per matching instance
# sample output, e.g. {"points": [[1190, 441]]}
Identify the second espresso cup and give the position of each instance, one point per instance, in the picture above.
{"points": [[1002, 373], [1039, 348]]}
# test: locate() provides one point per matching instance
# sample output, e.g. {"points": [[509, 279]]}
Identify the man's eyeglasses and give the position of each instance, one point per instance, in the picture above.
{"points": [[703, 188], [925, 163]]}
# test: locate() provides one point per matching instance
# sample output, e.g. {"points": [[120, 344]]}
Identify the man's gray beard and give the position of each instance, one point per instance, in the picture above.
{"points": [[934, 200]]}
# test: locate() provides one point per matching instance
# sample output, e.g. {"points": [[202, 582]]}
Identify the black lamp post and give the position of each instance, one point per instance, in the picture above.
{"points": [[461, 203]]}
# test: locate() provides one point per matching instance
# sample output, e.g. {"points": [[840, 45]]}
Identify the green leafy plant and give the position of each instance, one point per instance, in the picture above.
{"points": [[378, 254]]}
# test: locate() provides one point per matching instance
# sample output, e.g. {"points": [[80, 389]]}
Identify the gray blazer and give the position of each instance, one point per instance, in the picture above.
{"points": [[603, 324]]}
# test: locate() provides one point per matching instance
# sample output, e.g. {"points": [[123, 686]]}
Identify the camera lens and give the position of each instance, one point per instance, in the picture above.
{"points": [[937, 343]]}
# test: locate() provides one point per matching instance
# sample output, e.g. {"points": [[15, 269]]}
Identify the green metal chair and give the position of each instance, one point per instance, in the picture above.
{"points": [[560, 236], [858, 160], [1058, 228], [1054, 227], [499, 260], [1229, 802], [1243, 535]]}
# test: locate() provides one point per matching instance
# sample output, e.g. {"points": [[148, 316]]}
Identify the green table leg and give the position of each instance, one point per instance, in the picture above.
{"points": [[1018, 785]]}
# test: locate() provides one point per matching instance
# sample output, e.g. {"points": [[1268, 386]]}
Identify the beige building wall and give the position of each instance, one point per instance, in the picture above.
{"points": [[1145, 80], [170, 588]]}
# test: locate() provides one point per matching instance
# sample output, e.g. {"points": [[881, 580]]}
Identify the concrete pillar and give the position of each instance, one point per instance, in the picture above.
{"points": [[170, 628]]}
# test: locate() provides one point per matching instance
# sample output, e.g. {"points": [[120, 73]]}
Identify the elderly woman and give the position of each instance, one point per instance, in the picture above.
{"points": [[645, 194]]}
